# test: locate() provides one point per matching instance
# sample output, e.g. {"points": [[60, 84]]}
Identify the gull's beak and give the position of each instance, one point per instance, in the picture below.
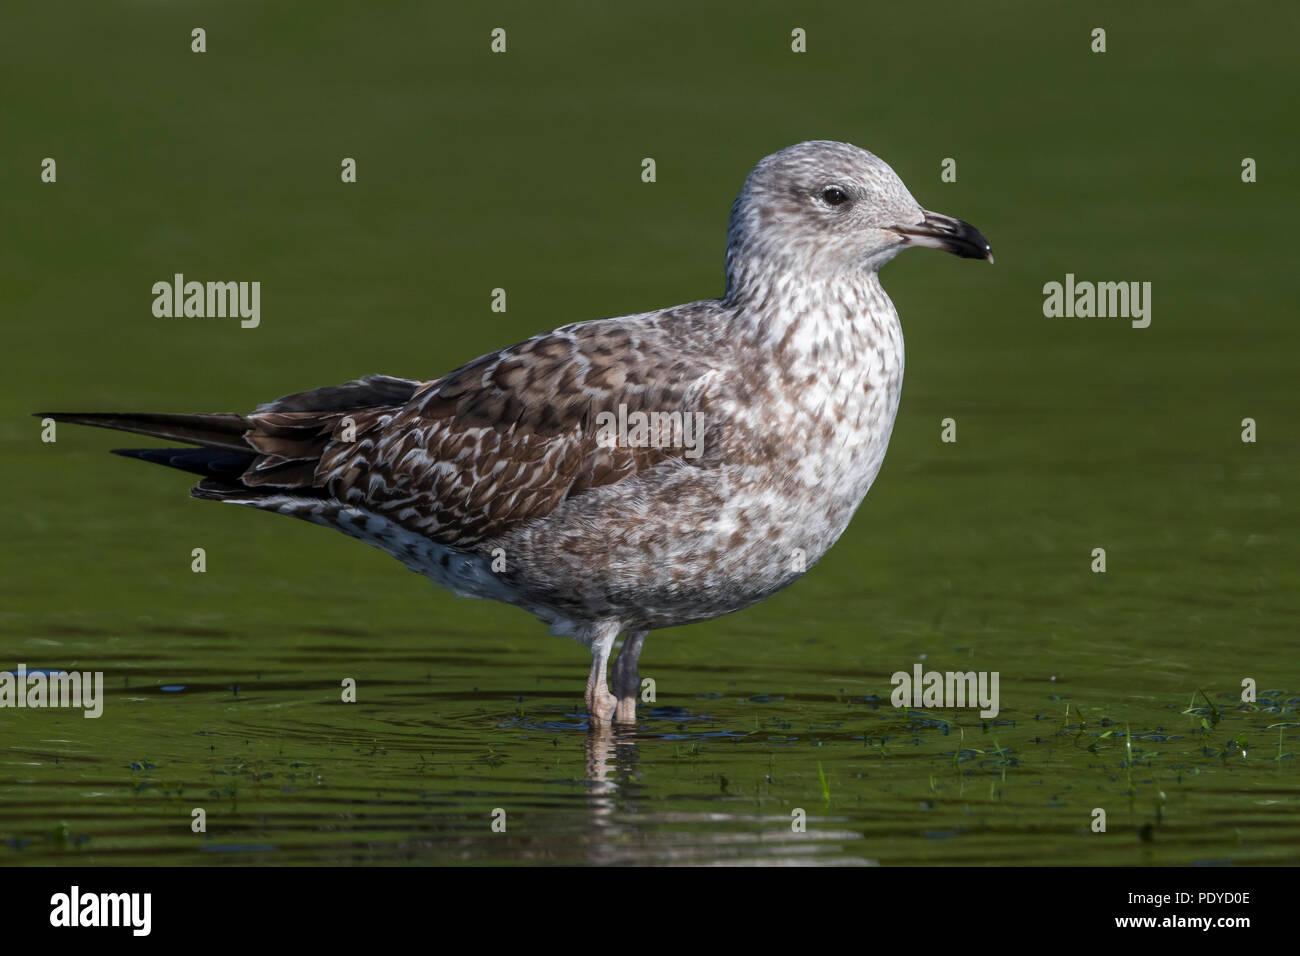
{"points": [[951, 235]]}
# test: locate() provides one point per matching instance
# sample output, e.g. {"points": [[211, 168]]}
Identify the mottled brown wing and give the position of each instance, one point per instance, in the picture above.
{"points": [[502, 440]]}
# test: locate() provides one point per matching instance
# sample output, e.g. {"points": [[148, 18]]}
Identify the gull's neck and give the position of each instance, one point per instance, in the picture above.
{"points": [[802, 317]]}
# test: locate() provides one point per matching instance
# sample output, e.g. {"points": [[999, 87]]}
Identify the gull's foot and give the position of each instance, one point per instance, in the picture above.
{"points": [[601, 708], [625, 713]]}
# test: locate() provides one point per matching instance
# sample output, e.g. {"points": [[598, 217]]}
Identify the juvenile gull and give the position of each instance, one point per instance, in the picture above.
{"points": [[503, 480]]}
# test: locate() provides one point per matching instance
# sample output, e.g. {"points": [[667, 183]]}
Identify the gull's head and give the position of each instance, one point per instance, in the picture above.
{"points": [[822, 209]]}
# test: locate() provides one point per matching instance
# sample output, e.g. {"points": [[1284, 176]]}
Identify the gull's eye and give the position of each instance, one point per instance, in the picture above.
{"points": [[834, 196]]}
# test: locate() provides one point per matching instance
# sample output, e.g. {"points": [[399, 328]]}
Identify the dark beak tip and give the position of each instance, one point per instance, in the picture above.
{"points": [[951, 235], [974, 240]]}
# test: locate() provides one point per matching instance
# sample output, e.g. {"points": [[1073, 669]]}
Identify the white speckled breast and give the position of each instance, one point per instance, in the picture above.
{"points": [[798, 418]]}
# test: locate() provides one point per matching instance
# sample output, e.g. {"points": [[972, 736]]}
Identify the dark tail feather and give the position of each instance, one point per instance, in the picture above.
{"points": [[225, 466], [224, 431], [214, 489], [274, 467]]}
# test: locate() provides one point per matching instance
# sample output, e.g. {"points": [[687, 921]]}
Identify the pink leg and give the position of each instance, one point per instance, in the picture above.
{"points": [[600, 702]]}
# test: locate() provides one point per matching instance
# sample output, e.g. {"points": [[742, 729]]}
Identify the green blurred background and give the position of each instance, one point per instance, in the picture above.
{"points": [[522, 171]]}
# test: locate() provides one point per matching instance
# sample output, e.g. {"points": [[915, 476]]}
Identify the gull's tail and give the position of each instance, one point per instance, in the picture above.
{"points": [[223, 454], [271, 452], [224, 431]]}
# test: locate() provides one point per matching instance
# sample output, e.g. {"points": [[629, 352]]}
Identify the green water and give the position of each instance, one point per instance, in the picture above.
{"points": [[522, 171]]}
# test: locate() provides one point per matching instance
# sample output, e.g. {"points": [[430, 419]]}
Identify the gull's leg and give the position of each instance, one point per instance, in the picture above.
{"points": [[627, 681], [600, 702]]}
